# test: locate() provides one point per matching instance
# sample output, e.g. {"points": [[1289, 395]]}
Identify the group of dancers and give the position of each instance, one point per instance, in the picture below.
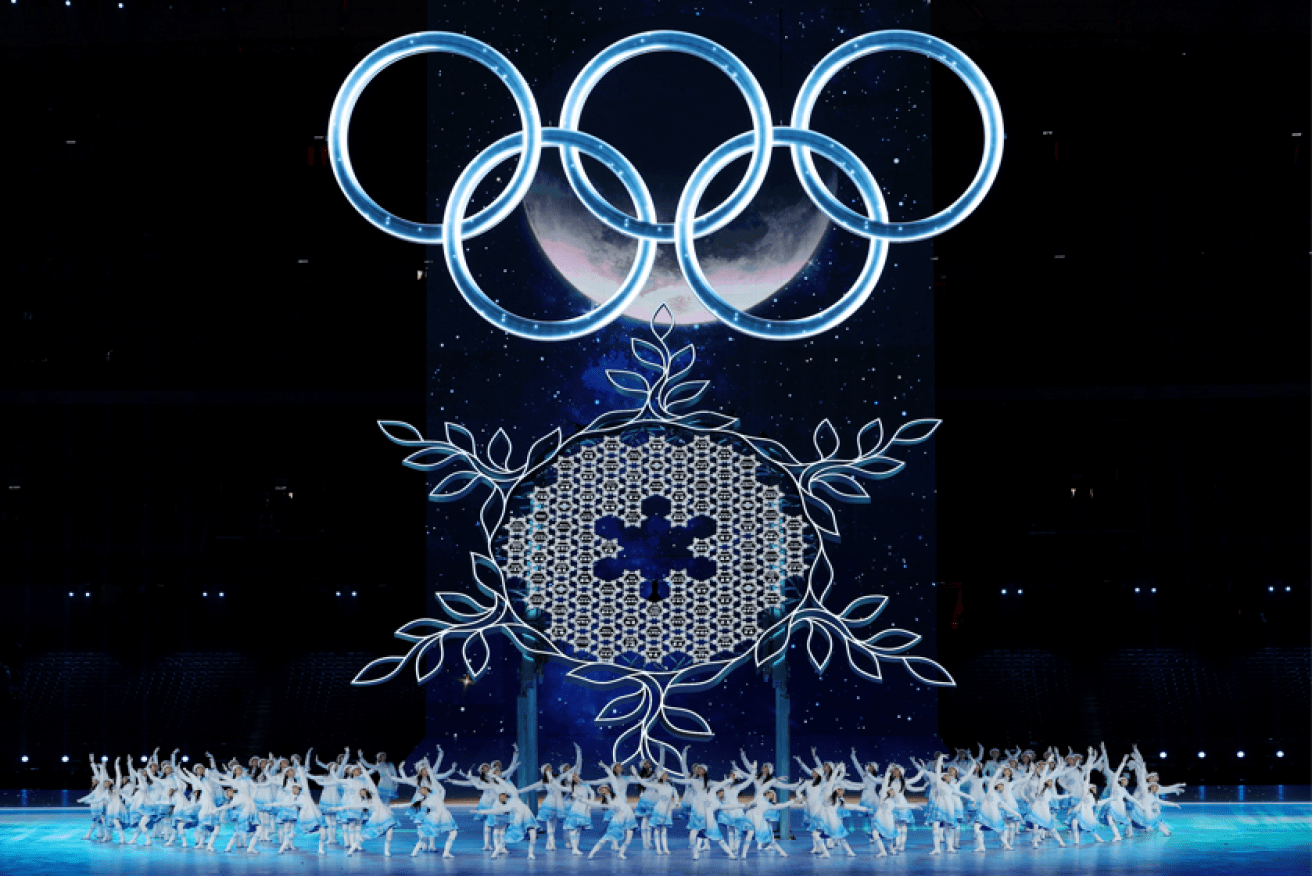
{"points": [[270, 800]]}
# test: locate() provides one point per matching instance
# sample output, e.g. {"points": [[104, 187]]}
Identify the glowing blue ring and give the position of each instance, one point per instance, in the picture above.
{"points": [[770, 329], [690, 44], [930, 47], [389, 53], [545, 330]]}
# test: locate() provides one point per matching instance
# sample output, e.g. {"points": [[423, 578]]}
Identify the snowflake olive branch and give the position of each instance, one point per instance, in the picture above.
{"points": [[643, 704]]}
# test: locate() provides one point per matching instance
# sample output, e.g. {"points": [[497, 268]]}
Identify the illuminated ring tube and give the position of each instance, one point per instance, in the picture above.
{"points": [[690, 44], [453, 223], [958, 63], [771, 329], [373, 64]]}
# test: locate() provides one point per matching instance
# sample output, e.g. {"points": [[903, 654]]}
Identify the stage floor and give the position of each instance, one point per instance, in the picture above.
{"points": [[1250, 838]]}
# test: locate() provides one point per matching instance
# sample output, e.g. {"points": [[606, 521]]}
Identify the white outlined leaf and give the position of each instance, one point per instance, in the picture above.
{"points": [[870, 437], [599, 675], [929, 671], [685, 722], [476, 654], [428, 661], [460, 437], [418, 630], [487, 575], [876, 468], [662, 313], [629, 383], [893, 641], [490, 514], [915, 431], [825, 439], [713, 420], [449, 599], [873, 605], [635, 702], [822, 516], [863, 662], [402, 433], [822, 575], [432, 458], [841, 487], [648, 354], [819, 647], [456, 486], [381, 670], [684, 394], [498, 450], [681, 362]]}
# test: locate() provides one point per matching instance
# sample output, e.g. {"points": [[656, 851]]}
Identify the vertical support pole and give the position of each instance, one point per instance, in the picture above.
{"points": [[783, 705], [527, 726]]}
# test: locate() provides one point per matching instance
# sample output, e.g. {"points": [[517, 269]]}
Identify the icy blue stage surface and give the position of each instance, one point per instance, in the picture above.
{"points": [[1250, 838]]}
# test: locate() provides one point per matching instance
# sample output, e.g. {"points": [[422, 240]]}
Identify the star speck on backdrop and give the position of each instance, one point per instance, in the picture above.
{"points": [[665, 112]]}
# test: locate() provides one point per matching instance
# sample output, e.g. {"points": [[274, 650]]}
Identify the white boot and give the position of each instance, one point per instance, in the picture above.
{"points": [[938, 840]]}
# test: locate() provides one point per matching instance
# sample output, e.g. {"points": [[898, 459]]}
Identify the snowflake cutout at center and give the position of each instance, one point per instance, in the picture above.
{"points": [[656, 548], [655, 551]]}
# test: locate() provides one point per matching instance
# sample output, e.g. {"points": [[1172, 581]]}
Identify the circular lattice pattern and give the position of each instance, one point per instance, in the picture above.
{"points": [[658, 547]]}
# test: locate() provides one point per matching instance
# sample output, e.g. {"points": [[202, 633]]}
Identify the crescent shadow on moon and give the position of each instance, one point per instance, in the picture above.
{"points": [[746, 262]]}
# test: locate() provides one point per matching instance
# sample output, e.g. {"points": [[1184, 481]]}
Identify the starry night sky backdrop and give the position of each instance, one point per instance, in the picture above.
{"points": [[203, 535], [666, 112]]}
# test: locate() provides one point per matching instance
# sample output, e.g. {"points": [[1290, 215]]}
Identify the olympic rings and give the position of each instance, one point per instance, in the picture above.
{"points": [[339, 123], [930, 47], [700, 47], [545, 330], [755, 326], [687, 226]]}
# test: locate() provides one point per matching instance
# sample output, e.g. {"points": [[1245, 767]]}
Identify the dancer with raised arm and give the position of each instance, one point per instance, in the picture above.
{"points": [[101, 786], [763, 814], [554, 807], [514, 822], [871, 788], [660, 817], [696, 785], [578, 817], [1084, 815], [719, 793], [1040, 812], [619, 833], [1115, 807], [386, 784], [434, 819], [940, 813], [379, 820], [330, 801]]}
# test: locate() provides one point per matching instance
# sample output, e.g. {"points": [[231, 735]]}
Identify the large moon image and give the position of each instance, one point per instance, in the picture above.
{"points": [[746, 262]]}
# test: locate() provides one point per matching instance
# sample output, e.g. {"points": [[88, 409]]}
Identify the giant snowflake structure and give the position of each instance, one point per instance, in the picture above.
{"points": [[655, 551]]}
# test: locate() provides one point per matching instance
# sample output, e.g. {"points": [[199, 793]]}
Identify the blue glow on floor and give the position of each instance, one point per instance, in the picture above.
{"points": [[1253, 839]]}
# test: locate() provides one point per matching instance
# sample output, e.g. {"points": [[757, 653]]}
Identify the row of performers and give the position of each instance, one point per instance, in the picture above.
{"points": [[270, 800]]}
